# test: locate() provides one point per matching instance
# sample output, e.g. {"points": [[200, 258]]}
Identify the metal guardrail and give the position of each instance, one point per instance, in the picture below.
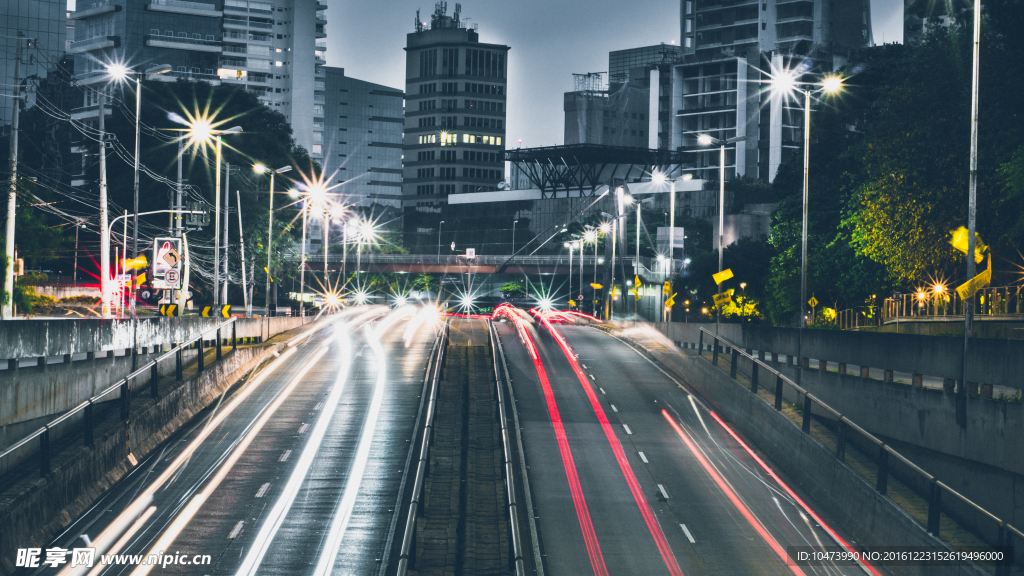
{"points": [[927, 486], [124, 385], [515, 541], [407, 554], [648, 266]]}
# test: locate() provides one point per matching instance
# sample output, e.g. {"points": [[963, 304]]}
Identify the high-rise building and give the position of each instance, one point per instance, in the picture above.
{"points": [[613, 115], [455, 91], [720, 87], [269, 48], [620, 62], [363, 139], [43, 23]]}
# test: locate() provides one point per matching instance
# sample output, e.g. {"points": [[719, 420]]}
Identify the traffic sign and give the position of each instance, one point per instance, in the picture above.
{"points": [[171, 276], [813, 302], [124, 278], [722, 276], [166, 257]]}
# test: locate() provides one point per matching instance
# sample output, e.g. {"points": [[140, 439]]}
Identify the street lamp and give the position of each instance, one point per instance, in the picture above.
{"points": [[785, 83], [439, 241], [261, 169], [707, 140], [661, 177], [315, 195], [514, 222]]}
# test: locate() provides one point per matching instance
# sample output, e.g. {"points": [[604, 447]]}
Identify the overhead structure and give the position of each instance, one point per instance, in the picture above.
{"points": [[579, 169]]}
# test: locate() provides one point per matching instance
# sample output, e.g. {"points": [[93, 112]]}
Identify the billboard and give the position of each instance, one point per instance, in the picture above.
{"points": [[167, 263]]}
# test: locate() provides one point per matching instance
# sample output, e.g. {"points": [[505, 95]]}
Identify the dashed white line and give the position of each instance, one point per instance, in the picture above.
{"points": [[661, 489], [688, 535], [584, 366], [614, 409], [236, 529], [263, 490], [303, 428], [602, 390], [642, 457], [285, 456], [628, 431], [592, 377], [318, 406]]}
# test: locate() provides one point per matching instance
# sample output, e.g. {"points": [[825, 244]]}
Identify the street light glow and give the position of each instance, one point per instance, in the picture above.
{"points": [[832, 84], [705, 140], [658, 178], [293, 193], [259, 168], [590, 236], [117, 71], [605, 227]]}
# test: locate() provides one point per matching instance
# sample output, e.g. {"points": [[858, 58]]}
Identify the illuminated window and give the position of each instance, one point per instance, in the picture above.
{"points": [[498, 143]]}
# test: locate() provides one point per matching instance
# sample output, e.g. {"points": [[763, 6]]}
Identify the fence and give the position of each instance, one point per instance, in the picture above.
{"points": [[85, 410], [886, 468], [861, 317], [999, 301]]}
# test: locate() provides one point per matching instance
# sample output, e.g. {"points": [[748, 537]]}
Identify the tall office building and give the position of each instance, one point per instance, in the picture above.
{"points": [[363, 139], [720, 87], [43, 22], [455, 91], [269, 48]]}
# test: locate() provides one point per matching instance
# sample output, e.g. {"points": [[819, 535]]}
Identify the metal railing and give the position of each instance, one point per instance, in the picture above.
{"points": [[515, 542], [993, 302], [862, 317], [407, 553], [185, 4], [940, 498], [123, 385]]}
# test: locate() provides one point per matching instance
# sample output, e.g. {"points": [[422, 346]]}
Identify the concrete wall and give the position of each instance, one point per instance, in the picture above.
{"points": [[31, 396], [991, 361], [836, 489], [66, 291], [40, 508]]}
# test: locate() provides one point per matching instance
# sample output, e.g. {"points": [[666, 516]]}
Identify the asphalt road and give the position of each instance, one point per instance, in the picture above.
{"points": [[718, 509], [297, 472]]}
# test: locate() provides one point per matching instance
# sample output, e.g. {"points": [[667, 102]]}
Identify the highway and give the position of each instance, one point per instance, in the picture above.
{"points": [[297, 472], [644, 479]]}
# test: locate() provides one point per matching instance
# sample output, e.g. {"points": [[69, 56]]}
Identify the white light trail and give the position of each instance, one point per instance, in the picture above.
{"points": [[339, 523], [276, 517]]}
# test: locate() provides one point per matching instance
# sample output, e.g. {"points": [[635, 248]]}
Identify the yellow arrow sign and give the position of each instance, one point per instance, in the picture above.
{"points": [[959, 241], [967, 289], [722, 276], [666, 289], [722, 299], [572, 303], [596, 286]]}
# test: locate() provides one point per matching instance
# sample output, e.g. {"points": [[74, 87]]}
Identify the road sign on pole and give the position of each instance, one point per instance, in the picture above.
{"points": [[167, 262]]}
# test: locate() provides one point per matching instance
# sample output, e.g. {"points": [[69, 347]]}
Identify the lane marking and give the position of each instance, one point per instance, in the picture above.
{"points": [[661, 489], [614, 409], [284, 456], [579, 501], [236, 529], [318, 406], [263, 490], [303, 428], [688, 535], [602, 390], [731, 495], [699, 417], [667, 556], [642, 457]]}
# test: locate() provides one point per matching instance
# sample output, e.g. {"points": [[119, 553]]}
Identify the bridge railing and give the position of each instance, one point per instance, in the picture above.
{"points": [[939, 508], [83, 415], [995, 302]]}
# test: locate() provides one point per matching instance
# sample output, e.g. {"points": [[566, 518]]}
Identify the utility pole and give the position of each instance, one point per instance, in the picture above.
{"points": [[74, 270], [177, 227], [227, 202], [241, 244], [972, 206], [105, 288], [12, 195]]}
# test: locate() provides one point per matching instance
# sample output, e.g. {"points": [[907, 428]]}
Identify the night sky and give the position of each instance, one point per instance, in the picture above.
{"points": [[550, 41]]}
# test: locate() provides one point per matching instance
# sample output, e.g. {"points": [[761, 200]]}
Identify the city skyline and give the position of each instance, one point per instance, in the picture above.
{"points": [[537, 81]]}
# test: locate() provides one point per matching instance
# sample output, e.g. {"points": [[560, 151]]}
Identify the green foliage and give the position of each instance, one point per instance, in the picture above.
{"points": [[513, 290], [425, 283]]}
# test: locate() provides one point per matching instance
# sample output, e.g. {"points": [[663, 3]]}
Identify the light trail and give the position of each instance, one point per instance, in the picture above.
{"points": [[343, 514], [568, 463], [731, 495], [620, 456], [137, 506], [163, 544], [791, 493], [277, 514]]}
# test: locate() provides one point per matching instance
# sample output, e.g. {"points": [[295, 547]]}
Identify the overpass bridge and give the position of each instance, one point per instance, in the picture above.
{"points": [[651, 269]]}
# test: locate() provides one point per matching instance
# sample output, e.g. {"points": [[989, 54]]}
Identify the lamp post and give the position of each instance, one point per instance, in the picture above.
{"points": [[707, 140], [514, 222], [660, 177], [439, 241], [785, 83], [961, 403], [569, 245], [261, 169], [315, 195]]}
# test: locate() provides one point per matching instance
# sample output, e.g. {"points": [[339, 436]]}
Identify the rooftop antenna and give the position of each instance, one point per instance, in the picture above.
{"points": [[458, 11], [419, 23]]}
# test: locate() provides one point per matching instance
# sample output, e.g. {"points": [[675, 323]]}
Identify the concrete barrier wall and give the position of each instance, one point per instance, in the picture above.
{"points": [[837, 490], [30, 396], [44, 338], [991, 361], [41, 508]]}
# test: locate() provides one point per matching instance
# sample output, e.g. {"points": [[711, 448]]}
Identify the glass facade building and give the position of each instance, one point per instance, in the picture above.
{"points": [[44, 23]]}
